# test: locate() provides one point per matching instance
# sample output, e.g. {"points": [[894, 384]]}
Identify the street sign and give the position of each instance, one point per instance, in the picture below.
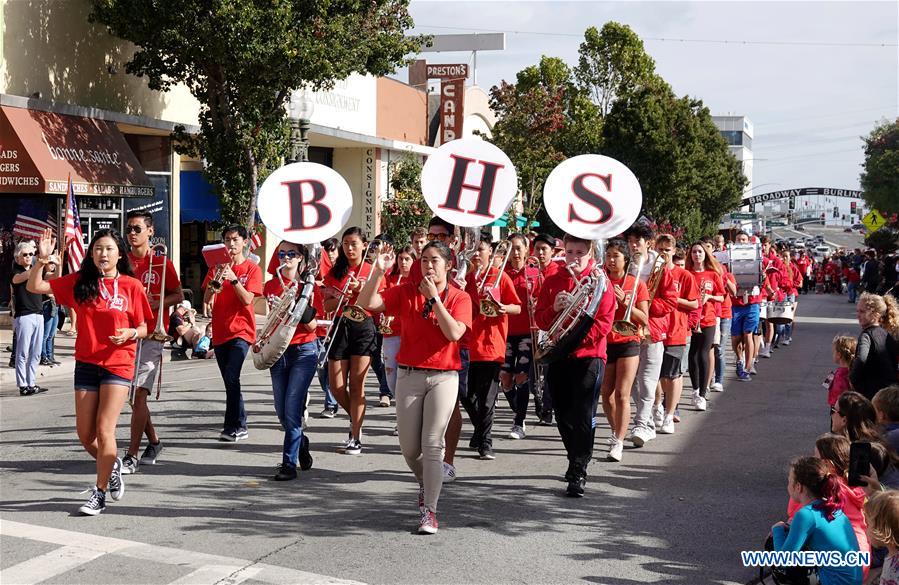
{"points": [[776, 223], [744, 216], [873, 221]]}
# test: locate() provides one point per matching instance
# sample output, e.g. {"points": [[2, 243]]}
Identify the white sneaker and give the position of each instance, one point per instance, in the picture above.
{"points": [[449, 472], [667, 427], [765, 352], [517, 432], [787, 341], [642, 436], [612, 440], [658, 415], [753, 371], [717, 387], [699, 403], [616, 451]]}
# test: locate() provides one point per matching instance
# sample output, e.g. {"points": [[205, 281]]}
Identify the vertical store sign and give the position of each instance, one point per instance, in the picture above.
{"points": [[369, 185], [452, 98]]}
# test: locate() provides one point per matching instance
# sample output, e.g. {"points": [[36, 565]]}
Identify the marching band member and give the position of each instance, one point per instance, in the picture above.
{"points": [[293, 372], [488, 346], [706, 272], [233, 324], [434, 316], [354, 341], [789, 285], [544, 250], [518, 355], [623, 350], [671, 376], [114, 312], [772, 269], [745, 309], [139, 230], [575, 380], [639, 238], [329, 256], [724, 327], [405, 258]]}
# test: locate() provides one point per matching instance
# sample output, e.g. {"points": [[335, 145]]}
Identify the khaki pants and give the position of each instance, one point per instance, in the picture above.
{"points": [[425, 400]]}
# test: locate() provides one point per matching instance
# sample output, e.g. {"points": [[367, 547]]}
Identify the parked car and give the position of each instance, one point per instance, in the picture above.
{"points": [[799, 246], [858, 226], [847, 230], [821, 252], [799, 228], [791, 241]]}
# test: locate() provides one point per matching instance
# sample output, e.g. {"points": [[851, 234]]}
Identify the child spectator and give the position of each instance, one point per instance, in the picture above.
{"points": [[203, 350], [838, 380], [886, 407], [882, 515]]}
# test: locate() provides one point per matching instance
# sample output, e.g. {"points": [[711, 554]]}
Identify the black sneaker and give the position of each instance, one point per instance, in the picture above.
{"points": [[576, 487], [96, 503], [26, 390], [328, 413], [242, 434], [354, 447], [305, 456], [151, 453], [129, 464], [285, 473], [45, 362], [116, 485], [486, 453]]}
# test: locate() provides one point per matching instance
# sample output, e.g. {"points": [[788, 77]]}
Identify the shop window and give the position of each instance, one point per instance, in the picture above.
{"points": [[153, 152]]}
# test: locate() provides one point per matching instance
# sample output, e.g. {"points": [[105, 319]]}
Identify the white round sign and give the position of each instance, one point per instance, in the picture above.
{"points": [[305, 203], [592, 196], [469, 182]]}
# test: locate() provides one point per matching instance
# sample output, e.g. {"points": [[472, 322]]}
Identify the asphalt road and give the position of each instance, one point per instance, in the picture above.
{"points": [[677, 511], [833, 237]]}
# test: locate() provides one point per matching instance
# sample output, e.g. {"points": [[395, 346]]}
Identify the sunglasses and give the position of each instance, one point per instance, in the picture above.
{"points": [[27, 253], [288, 254], [133, 228], [834, 410]]}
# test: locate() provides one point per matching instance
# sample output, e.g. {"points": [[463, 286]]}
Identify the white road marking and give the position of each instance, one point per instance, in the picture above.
{"points": [[826, 320], [207, 568]]}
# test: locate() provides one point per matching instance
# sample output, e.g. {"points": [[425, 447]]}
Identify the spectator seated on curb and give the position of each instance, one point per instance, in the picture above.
{"points": [[184, 330], [886, 406], [203, 349]]}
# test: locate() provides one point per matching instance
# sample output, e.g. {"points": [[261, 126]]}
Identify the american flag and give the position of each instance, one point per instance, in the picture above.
{"points": [[256, 239], [32, 220], [74, 235]]}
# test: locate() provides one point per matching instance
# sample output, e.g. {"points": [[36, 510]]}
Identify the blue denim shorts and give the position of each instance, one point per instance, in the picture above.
{"points": [[91, 376], [745, 320]]}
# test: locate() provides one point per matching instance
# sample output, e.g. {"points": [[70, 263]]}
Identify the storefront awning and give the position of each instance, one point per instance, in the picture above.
{"points": [[40, 150], [198, 201], [503, 221]]}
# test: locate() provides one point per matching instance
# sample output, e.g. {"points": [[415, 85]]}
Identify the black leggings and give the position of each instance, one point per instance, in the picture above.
{"points": [[700, 344]]}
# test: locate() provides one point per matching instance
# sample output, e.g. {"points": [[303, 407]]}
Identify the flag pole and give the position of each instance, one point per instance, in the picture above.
{"points": [[62, 233]]}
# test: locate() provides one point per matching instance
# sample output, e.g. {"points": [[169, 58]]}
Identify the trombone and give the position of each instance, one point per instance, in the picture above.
{"points": [[489, 304], [652, 283], [624, 326], [159, 334]]}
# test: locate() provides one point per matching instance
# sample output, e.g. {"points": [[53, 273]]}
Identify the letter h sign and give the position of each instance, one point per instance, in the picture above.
{"points": [[458, 185]]}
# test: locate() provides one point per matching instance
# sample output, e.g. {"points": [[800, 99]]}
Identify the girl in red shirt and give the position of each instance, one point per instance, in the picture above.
{"points": [[390, 326], [292, 373], [113, 311], [575, 379], [434, 316], [488, 348], [707, 273], [354, 342], [623, 350]]}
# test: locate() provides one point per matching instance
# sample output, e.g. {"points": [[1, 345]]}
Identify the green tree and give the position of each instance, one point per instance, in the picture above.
{"points": [[543, 119], [613, 64], [242, 58], [688, 177], [407, 209], [880, 178], [885, 240]]}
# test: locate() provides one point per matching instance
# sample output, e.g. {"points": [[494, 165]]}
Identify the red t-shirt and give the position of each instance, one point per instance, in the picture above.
{"points": [[488, 334], [389, 283], [361, 272], [709, 282], [231, 319], [726, 307], [272, 291], [627, 284], [99, 319], [553, 267], [594, 343], [663, 305], [423, 344], [141, 268], [520, 324], [678, 326]]}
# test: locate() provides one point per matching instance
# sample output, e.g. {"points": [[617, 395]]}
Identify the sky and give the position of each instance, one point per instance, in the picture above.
{"points": [[813, 77]]}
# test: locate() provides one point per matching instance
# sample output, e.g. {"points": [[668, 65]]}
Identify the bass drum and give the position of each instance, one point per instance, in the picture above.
{"points": [[763, 310], [781, 313]]}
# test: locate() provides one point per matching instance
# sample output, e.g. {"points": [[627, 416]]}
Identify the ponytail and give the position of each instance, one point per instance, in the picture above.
{"points": [[817, 476]]}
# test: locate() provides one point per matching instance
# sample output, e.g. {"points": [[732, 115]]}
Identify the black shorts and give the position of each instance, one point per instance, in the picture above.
{"points": [[91, 376], [354, 338], [617, 351], [672, 362], [519, 355]]}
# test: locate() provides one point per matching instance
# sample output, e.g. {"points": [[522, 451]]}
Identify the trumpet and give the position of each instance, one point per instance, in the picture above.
{"points": [[216, 283], [489, 304], [384, 327], [624, 326], [652, 283]]}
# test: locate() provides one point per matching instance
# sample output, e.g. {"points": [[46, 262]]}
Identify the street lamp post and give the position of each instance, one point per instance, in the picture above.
{"points": [[301, 108]]}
